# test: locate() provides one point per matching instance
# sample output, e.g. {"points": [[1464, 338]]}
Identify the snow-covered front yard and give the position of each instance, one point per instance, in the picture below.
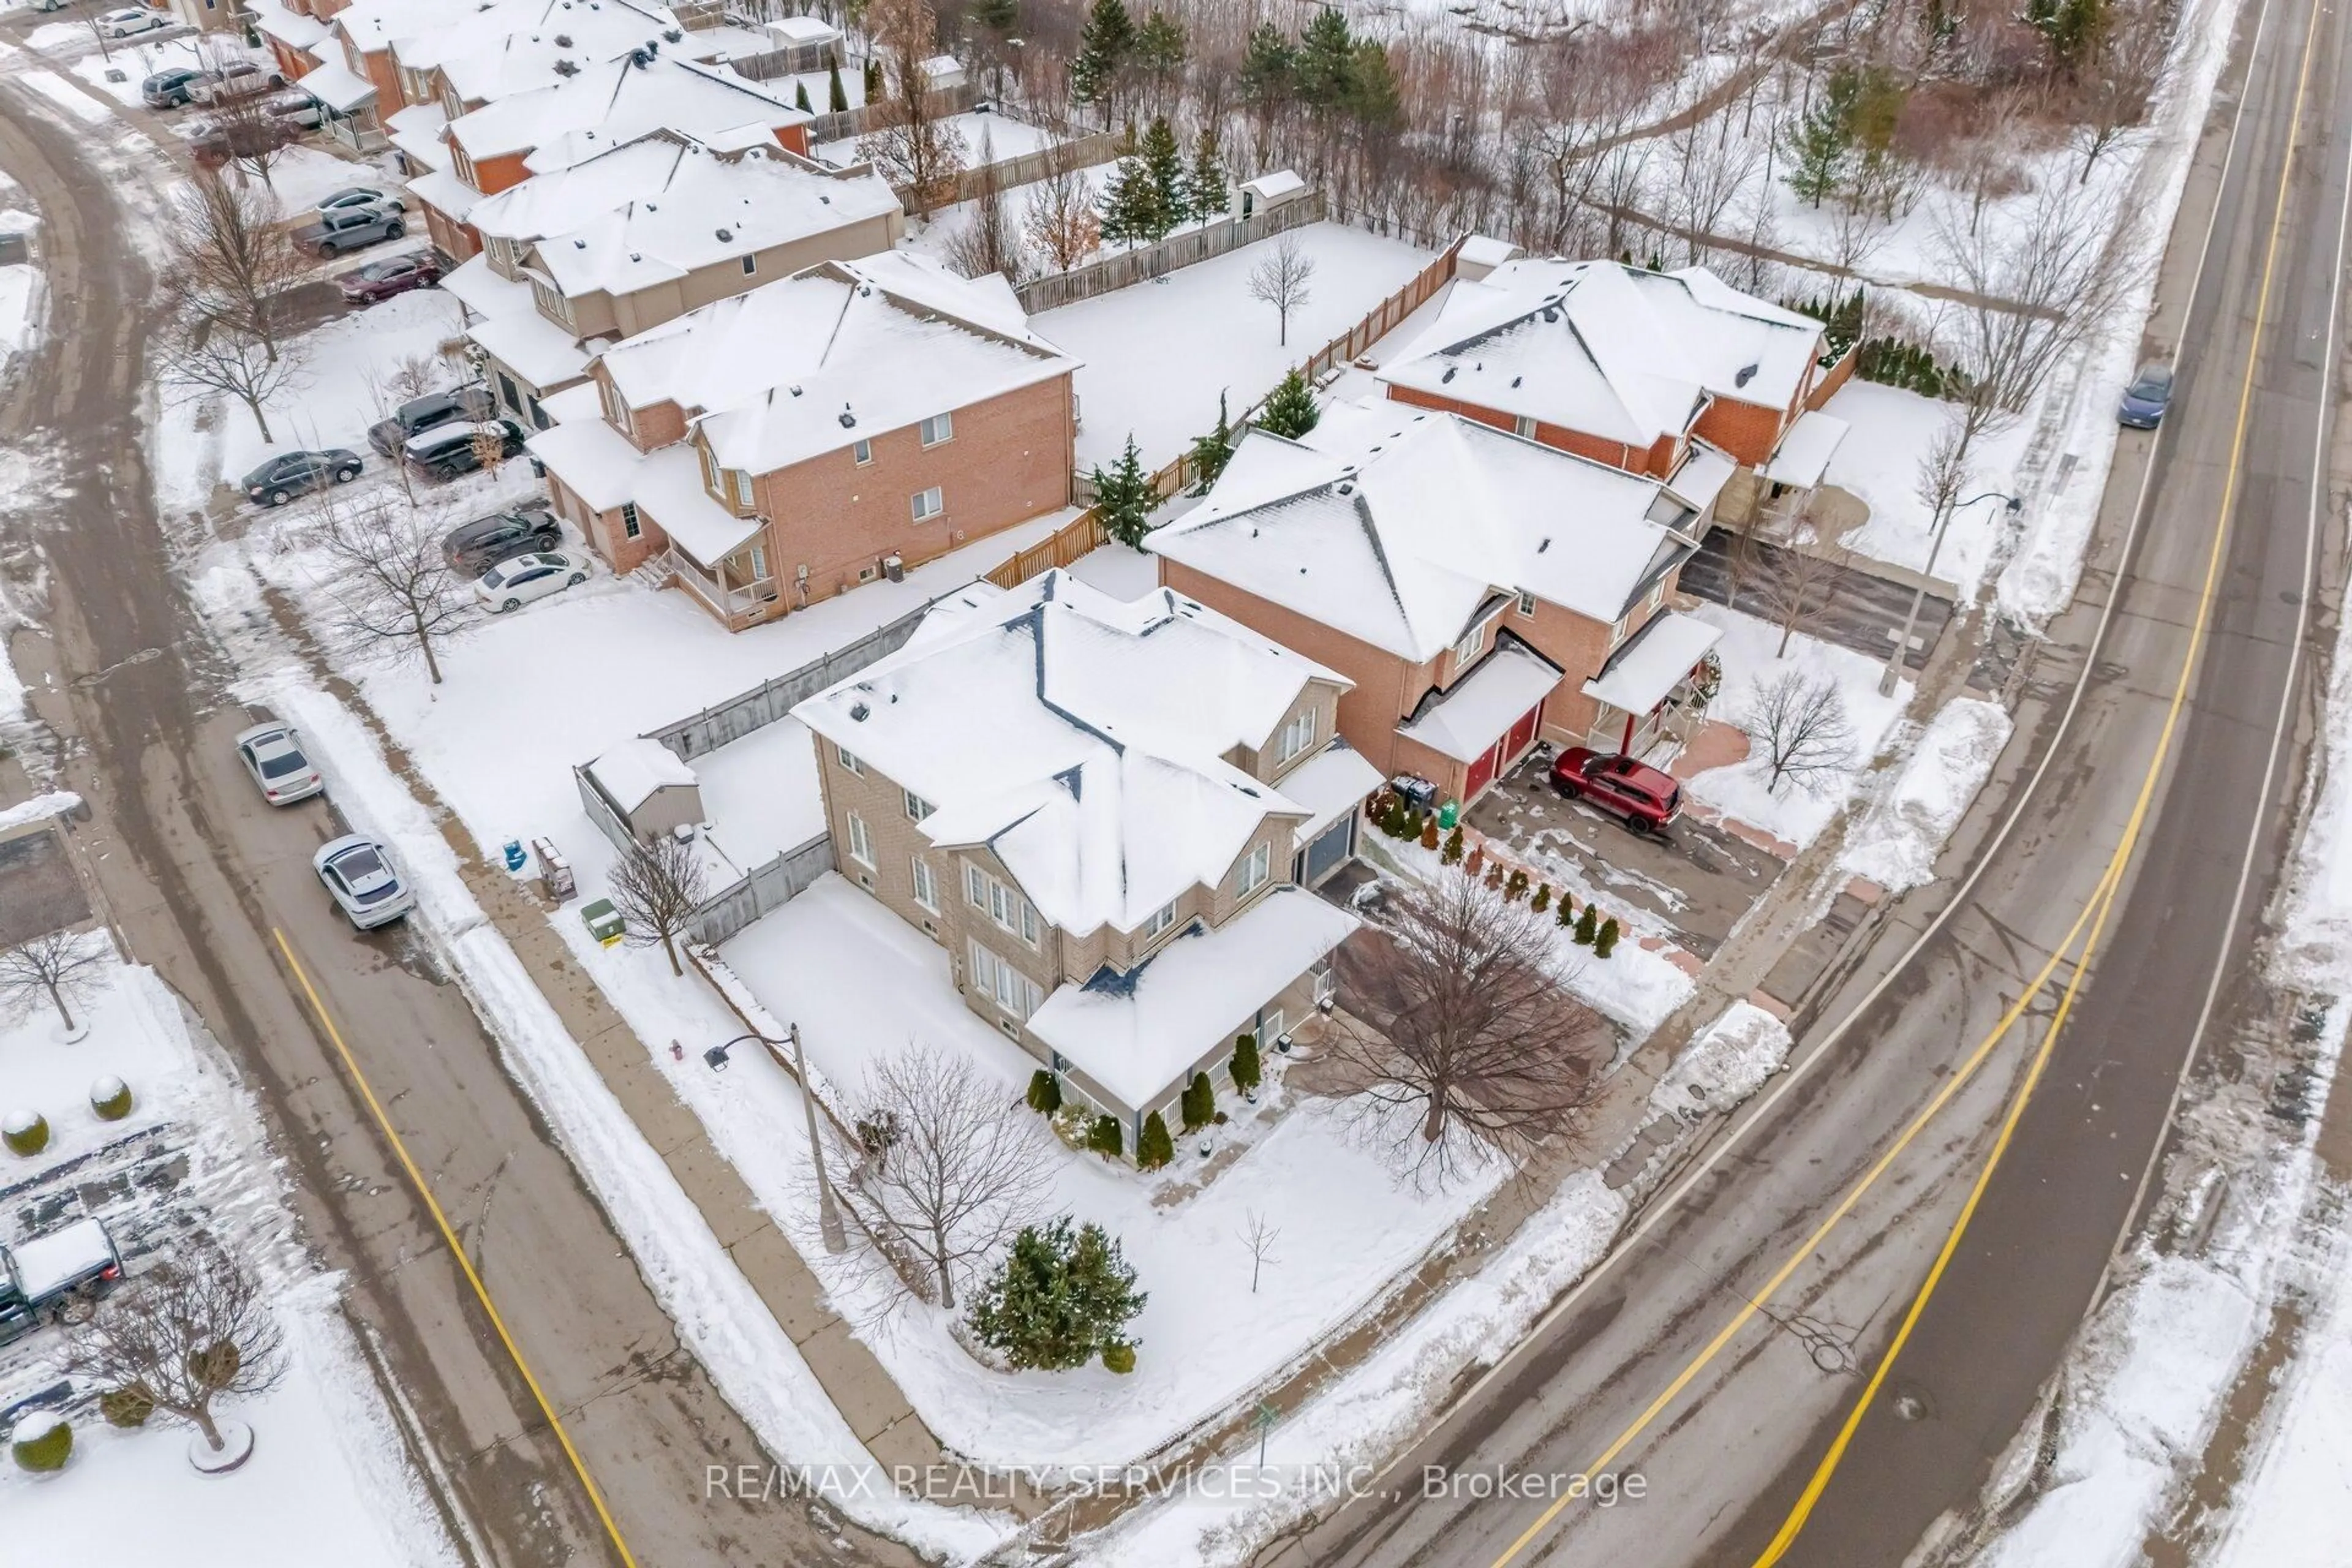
{"points": [[1878, 464]]}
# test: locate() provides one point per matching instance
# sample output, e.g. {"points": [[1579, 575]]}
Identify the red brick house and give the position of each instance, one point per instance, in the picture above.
{"points": [[1481, 591], [844, 424]]}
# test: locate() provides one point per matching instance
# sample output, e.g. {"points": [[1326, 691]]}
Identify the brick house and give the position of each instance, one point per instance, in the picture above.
{"points": [[1671, 374], [1114, 876], [840, 424], [1480, 591], [640, 234]]}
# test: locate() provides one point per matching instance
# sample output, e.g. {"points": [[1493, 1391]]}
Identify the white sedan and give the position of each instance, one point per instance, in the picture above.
{"points": [[518, 580], [272, 754], [132, 21]]}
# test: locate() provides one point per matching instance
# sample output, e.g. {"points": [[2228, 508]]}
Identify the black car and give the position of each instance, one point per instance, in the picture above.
{"points": [[416, 416], [473, 548], [168, 90], [447, 450], [291, 474]]}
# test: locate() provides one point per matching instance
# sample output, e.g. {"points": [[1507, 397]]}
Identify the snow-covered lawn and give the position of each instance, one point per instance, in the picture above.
{"points": [[136, 60], [303, 172], [1902, 830], [1157, 354], [1878, 464], [1007, 137], [1751, 654], [328, 1463]]}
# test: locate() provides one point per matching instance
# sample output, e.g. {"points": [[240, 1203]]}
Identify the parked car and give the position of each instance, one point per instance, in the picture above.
{"points": [[234, 80], [512, 584], [447, 450], [2147, 398], [132, 21], [297, 109], [1645, 799], [56, 1277], [338, 232], [353, 197], [290, 474], [393, 275], [472, 548], [358, 872], [273, 754], [168, 90], [419, 414], [213, 144]]}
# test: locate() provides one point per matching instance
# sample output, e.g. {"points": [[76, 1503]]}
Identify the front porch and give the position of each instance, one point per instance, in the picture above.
{"points": [[1655, 686]]}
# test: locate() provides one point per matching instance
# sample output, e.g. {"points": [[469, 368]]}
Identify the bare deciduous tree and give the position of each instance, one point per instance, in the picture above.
{"points": [[945, 1163], [987, 241], [1794, 587], [657, 887], [1259, 1237], [189, 1333], [1942, 472], [393, 593], [232, 260], [1464, 1023], [489, 445], [1280, 279], [401, 380], [1798, 725], [1060, 214], [2030, 289], [60, 965], [1712, 162], [199, 356], [2130, 62], [916, 146]]}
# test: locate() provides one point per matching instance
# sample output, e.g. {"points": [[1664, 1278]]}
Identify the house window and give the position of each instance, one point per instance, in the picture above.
{"points": [[861, 453], [1161, 920], [711, 480], [1657, 592], [861, 845], [926, 505], [1005, 906], [743, 487], [631, 527], [927, 891], [1295, 737], [1524, 426], [1472, 642], [1014, 992], [1253, 871], [1617, 631], [750, 264], [938, 427], [616, 407], [1526, 605], [917, 807], [849, 763]]}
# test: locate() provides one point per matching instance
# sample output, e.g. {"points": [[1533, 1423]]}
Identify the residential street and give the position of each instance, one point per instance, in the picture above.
{"points": [[1729, 1436], [199, 875]]}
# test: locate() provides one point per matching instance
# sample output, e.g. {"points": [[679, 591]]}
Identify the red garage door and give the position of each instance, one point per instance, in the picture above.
{"points": [[1523, 735], [1482, 773]]}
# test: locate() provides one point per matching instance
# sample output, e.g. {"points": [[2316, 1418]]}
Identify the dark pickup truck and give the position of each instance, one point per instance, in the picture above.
{"points": [[56, 1278]]}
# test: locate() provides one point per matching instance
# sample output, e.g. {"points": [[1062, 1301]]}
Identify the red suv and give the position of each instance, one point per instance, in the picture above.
{"points": [[1647, 800]]}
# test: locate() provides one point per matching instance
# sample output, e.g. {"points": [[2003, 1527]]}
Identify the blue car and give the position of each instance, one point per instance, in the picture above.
{"points": [[2145, 398]]}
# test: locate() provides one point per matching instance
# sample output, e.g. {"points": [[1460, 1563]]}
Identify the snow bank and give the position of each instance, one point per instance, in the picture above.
{"points": [[21, 298], [1896, 842], [40, 807], [1728, 1062]]}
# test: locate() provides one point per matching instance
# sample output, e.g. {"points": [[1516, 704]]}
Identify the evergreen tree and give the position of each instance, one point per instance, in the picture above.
{"points": [[1587, 927], [1454, 846], [1105, 49], [1323, 68], [999, 16], [873, 81], [1155, 1148], [1604, 941], [1515, 886], [1124, 497], [1291, 410], [1245, 1067], [1370, 93], [1269, 65], [1429, 831], [1542, 900], [1819, 144], [1118, 1358], [1063, 1298], [801, 98], [1159, 48], [2070, 26], [1133, 211], [1045, 1092], [1105, 1137], [837, 100], [1164, 161], [1566, 916], [1208, 189], [1199, 1103], [1213, 451]]}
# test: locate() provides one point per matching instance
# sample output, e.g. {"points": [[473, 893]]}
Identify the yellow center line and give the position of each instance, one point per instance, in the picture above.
{"points": [[450, 1235], [2094, 915]]}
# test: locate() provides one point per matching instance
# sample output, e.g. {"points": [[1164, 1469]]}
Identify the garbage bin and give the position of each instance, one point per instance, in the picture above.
{"points": [[1448, 815], [1417, 792], [604, 920]]}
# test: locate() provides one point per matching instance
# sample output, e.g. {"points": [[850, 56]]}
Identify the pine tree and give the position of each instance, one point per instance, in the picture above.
{"points": [[999, 16], [1323, 67], [1269, 65], [1213, 451], [1125, 498], [1454, 846], [837, 96], [1160, 46], [1105, 1137], [1045, 1092], [1587, 927], [1429, 831], [873, 81], [1062, 1299], [801, 98], [1199, 1103], [1372, 95], [1106, 48], [1245, 1067], [1542, 900], [1208, 190], [1604, 941], [1291, 410], [1821, 141], [1566, 916], [1163, 161], [1133, 211], [1155, 1148]]}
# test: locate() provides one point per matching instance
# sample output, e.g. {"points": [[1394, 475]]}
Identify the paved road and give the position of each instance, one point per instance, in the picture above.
{"points": [[198, 874], [1727, 1453]]}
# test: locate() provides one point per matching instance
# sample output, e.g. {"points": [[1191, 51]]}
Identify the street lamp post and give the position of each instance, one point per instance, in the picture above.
{"points": [[1894, 669], [829, 1213]]}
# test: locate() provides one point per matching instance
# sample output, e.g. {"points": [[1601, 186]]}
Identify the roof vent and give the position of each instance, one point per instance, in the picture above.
{"points": [[858, 711], [579, 245], [825, 199], [1747, 373], [1517, 379], [796, 392], [848, 420], [566, 67], [672, 34], [1544, 546], [1347, 488], [1551, 313], [563, 41], [1449, 373], [726, 234]]}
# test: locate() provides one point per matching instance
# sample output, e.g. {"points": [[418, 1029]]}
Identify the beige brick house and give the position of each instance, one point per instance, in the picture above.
{"points": [[1480, 591], [844, 424], [1103, 811]]}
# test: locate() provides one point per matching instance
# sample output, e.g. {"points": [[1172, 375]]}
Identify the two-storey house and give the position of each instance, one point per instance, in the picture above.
{"points": [[838, 426], [1671, 374], [1479, 590], [1100, 809]]}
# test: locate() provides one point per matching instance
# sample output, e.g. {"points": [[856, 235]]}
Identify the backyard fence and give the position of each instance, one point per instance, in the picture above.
{"points": [[1023, 168], [1058, 289], [839, 124], [1060, 548], [768, 886]]}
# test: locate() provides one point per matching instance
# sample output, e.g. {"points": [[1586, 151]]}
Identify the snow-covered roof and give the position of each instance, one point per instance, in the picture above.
{"points": [[484, 291], [1703, 472], [615, 101], [803, 29], [416, 131], [534, 347], [1469, 717], [1486, 250], [276, 19], [574, 403], [1081, 737], [337, 86], [835, 353], [1648, 666], [374, 25], [1330, 784], [665, 204], [1612, 351], [442, 190], [1136, 1034], [514, 45], [631, 773], [1278, 186], [600, 466], [595, 462], [1805, 451], [1395, 525]]}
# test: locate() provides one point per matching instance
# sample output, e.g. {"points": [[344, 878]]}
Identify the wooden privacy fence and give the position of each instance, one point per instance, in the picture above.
{"points": [[1022, 169], [834, 125], [1058, 289]]}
